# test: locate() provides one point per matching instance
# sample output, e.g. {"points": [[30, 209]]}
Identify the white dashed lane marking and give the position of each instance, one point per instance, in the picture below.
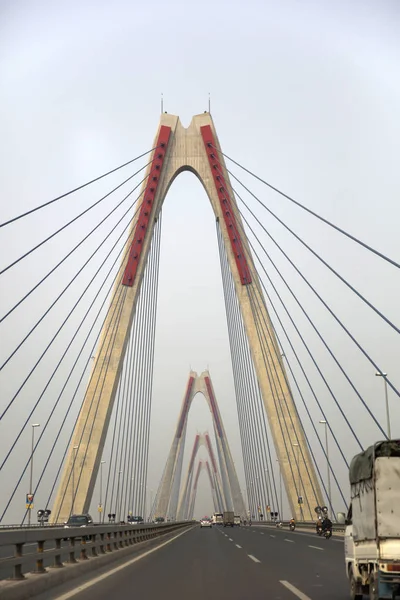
{"points": [[295, 591], [253, 558]]}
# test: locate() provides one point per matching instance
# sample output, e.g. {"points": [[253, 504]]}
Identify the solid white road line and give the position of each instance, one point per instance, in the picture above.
{"points": [[237, 546], [253, 558], [295, 591], [316, 547], [92, 582], [291, 541]]}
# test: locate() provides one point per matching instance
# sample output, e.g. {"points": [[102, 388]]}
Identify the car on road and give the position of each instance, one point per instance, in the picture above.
{"points": [[84, 520], [135, 520], [205, 523], [159, 520]]}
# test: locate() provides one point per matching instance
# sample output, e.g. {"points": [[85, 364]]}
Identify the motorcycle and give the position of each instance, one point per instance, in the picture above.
{"points": [[279, 525], [319, 530], [327, 534], [292, 526]]}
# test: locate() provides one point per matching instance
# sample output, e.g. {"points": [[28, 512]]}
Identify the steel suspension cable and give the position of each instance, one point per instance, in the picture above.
{"points": [[276, 403], [71, 341], [324, 262], [69, 406], [311, 323], [302, 206], [69, 314], [106, 362], [153, 335], [55, 233], [297, 385], [247, 373], [379, 370], [238, 233], [293, 349], [150, 361], [313, 358], [291, 420], [29, 212], [77, 246], [50, 454]]}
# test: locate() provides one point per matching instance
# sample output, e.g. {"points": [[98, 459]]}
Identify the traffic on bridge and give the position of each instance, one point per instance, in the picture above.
{"points": [[199, 301]]}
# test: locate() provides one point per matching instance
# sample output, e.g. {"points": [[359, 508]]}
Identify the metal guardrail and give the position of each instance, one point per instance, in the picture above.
{"points": [[94, 541], [32, 526]]}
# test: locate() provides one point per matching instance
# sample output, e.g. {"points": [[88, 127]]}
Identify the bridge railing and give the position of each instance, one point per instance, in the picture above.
{"points": [[81, 543]]}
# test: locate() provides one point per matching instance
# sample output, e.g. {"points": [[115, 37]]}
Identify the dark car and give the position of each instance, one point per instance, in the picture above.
{"points": [[136, 520], [84, 520]]}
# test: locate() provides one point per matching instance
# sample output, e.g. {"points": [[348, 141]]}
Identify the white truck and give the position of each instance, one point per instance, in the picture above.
{"points": [[218, 518], [372, 537]]}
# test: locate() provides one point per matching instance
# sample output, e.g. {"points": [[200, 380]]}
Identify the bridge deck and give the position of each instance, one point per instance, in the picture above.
{"points": [[205, 563]]}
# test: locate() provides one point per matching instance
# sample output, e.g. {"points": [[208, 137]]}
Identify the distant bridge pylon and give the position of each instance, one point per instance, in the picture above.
{"points": [[171, 481]]}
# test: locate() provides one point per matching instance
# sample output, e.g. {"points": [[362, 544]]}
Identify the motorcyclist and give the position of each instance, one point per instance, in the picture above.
{"points": [[292, 523], [327, 524]]}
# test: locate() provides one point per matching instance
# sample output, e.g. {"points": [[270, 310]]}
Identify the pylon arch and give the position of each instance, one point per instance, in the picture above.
{"points": [[194, 149], [213, 474], [167, 504]]}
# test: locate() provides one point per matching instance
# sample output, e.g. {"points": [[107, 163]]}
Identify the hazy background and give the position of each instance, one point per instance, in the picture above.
{"points": [[306, 94]]}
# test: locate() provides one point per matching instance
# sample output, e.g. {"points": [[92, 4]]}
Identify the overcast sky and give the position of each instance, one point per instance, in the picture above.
{"points": [[306, 94]]}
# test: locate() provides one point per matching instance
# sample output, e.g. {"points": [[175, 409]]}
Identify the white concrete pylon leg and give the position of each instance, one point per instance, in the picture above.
{"points": [[195, 149], [200, 440]]}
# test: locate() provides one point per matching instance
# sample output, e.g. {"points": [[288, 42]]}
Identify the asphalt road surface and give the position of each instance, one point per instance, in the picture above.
{"points": [[241, 563]]}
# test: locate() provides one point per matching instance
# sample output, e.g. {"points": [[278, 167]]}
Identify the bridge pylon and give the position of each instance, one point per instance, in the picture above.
{"points": [[194, 149], [231, 493]]}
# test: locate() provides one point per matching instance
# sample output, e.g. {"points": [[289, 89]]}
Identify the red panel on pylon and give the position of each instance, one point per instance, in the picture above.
{"points": [[226, 204], [185, 407], [211, 453], [194, 451], [213, 406], [147, 206]]}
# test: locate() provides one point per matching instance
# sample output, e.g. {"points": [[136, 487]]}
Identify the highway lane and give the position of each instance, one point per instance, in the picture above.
{"points": [[218, 564], [315, 565]]}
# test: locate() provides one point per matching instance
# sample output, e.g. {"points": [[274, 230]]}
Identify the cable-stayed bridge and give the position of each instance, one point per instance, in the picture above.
{"points": [[77, 355]]}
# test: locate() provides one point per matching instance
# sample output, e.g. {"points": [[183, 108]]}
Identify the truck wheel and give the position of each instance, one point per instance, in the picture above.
{"points": [[373, 588], [355, 589]]}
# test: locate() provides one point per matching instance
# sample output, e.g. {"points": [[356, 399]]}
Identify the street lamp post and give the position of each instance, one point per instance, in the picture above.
{"points": [[151, 504], [34, 425], [280, 490], [75, 448], [103, 462], [384, 375], [117, 499], [296, 445], [328, 470]]}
